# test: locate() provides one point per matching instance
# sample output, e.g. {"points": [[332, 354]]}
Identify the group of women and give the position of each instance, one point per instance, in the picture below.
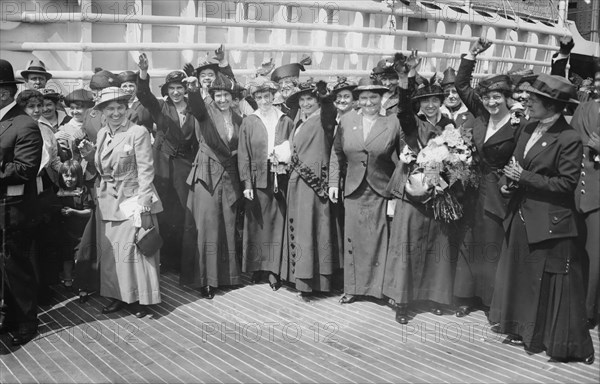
{"points": [[296, 196]]}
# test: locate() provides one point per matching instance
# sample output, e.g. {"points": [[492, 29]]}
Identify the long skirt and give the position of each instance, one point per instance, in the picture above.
{"points": [[125, 273], [366, 245], [536, 301], [309, 252], [210, 256], [264, 223], [420, 259], [480, 236], [591, 242]]}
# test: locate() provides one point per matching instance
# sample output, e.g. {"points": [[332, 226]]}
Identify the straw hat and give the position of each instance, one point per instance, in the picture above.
{"points": [[111, 94]]}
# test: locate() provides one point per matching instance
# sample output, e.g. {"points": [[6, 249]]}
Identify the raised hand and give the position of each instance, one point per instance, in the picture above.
{"points": [[192, 83], [220, 53], [413, 61], [143, 62], [189, 69], [479, 46]]}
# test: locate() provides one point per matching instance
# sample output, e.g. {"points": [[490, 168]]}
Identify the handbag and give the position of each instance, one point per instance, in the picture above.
{"points": [[148, 241]]}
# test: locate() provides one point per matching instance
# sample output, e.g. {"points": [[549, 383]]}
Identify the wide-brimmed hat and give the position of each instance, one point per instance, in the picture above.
{"points": [[449, 77], [343, 85], [262, 84], [80, 96], [553, 87], [103, 79], [222, 83], [111, 94], [306, 88], [37, 67], [207, 64], [385, 67], [290, 70], [7, 74], [366, 84], [128, 77], [173, 77], [497, 83]]}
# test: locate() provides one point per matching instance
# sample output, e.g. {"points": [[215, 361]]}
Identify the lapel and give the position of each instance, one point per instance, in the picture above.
{"points": [[4, 125], [8, 118], [357, 130], [116, 140], [507, 132], [378, 128], [523, 139], [545, 141]]}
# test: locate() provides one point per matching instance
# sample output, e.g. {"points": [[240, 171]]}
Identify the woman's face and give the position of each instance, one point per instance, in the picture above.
{"points": [[34, 108], [206, 77], [495, 103], [223, 100], [308, 104], [370, 103], [49, 109], [176, 92], [129, 88], [114, 113], [70, 180], [264, 100], [78, 111], [388, 81], [287, 86], [537, 110], [430, 106], [344, 100], [452, 99]]}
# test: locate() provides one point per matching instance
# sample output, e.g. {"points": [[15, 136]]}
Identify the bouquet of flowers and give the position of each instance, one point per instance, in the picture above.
{"points": [[445, 162]]}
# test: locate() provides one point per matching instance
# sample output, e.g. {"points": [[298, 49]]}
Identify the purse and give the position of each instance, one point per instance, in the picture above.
{"points": [[148, 241]]}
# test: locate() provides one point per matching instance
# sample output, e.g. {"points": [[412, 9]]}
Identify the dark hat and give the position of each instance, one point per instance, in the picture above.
{"points": [[521, 75], [342, 85], [172, 77], [238, 90], [207, 64], [37, 67], [222, 83], [367, 84], [290, 70], [111, 94], [498, 83], [385, 67], [449, 77], [80, 96], [103, 79], [51, 94], [7, 75], [428, 88], [553, 87], [306, 88], [128, 77]]}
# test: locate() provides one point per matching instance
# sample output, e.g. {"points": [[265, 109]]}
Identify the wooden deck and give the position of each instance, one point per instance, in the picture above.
{"points": [[251, 334]]}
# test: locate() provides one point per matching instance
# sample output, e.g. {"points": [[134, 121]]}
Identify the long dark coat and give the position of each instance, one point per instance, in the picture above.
{"points": [[481, 233], [539, 291], [310, 253], [210, 250]]}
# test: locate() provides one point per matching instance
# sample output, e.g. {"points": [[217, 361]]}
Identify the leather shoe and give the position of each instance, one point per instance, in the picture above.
{"points": [[256, 277], [5, 328], [463, 311], [23, 337], [589, 360], [140, 311], [114, 306], [515, 340], [305, 296], [437, 311], [207, 292], [496, 328], [274, 282], [347, 299], [401, 315]]}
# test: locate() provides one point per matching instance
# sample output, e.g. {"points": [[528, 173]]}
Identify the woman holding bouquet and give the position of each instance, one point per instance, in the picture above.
{"points": [[364, 149], [263, 154], [494, 133], [419, 264], [539, 299]]}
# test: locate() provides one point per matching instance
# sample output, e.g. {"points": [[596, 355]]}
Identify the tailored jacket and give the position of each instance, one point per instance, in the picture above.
{"points": [[374, 158], [494, 153], [216, 153], [20, 157], [550, 174], [140, 115], [170, 136], [252, 148], [585, 121], [125, 166]]}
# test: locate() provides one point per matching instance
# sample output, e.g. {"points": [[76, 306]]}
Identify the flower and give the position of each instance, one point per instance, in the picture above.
{"points": [[407, 155]]}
